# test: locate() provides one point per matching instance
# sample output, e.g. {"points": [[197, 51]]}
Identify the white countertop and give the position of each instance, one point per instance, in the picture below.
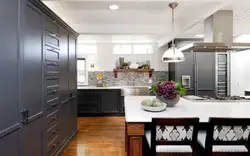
{"points": [[111, 87], [93, 87], [185, 108]]}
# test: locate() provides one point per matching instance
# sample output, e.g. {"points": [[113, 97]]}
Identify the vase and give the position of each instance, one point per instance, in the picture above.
{"points": [[169, 102]]}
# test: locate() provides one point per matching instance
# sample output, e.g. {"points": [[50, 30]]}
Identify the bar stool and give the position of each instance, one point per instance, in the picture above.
{"points": [[225, 137], [175, 137]]}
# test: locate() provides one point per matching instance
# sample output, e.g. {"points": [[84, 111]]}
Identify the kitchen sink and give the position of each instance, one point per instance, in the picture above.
{"points": [[135, 91]]}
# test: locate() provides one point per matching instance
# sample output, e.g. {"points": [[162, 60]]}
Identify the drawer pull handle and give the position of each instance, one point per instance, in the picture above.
{"points": [[51, 48], [54, 104], [52, 34], [52, 64], [53, 78], [54, 145]]}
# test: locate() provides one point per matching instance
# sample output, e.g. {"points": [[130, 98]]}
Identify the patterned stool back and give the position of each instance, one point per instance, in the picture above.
{"points": [[169, 131], [228, 131]]}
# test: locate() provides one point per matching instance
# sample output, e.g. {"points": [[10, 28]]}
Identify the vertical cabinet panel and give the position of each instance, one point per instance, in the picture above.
{"points": [[30, 139], [63, 67], [31, 62], [9, 145], [65, 121], [73, 114], [72, 65], [8, 65], [31, 82]]}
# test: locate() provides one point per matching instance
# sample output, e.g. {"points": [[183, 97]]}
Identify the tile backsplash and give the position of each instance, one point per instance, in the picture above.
{"points": [[124, 79]]}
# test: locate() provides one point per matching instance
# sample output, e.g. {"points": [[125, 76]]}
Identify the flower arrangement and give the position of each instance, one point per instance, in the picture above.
{"points": [[168, 89]]}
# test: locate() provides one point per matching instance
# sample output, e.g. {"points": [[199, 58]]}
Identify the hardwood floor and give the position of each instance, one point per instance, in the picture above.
{"points": [[98, 136]]}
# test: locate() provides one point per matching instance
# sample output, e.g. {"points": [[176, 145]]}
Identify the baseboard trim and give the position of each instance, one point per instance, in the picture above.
{"points": [[66, 143]]}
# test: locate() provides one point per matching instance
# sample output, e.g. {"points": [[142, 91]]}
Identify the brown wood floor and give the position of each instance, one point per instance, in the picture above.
{"points": [[98, 136]]}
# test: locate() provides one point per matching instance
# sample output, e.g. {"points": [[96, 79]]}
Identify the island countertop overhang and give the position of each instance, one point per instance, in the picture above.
{"points": [[185, 108]]}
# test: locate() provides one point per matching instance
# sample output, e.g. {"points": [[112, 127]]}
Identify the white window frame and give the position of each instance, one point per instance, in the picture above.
{"points": [[85, 72], [132, 49]]}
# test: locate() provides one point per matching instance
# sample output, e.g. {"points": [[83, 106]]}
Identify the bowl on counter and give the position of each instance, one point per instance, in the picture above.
{"points": [[154, 105]]}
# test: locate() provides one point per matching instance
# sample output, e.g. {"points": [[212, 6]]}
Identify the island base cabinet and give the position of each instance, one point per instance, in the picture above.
{"points": [[103, 102], [133, 139]]}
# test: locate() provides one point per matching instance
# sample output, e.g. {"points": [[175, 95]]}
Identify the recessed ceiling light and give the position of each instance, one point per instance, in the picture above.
{"points": [[199, 36], [113, 7]]}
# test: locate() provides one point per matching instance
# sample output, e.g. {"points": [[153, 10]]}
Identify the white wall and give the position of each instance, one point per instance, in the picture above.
{"points": [[240, 69], [105, 60]]}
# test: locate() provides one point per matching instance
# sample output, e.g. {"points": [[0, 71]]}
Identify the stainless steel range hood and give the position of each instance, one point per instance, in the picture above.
{"points": [[218, 35]]}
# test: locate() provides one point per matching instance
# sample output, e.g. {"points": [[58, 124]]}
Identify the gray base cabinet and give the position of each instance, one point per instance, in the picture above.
{"points": [[100, 102], [38, 86]]}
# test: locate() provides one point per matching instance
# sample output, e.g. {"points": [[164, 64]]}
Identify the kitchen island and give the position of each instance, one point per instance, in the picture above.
{"points": [[136, 118], [106, 101]]}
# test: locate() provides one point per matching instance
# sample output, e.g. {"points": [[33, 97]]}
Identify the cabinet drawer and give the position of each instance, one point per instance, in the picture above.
{"points": [[52, 68], [52, 39], [52, 119], [52, 82], [51, 133], [53, 146], [51, 26], [52, 98], [52, 54]]}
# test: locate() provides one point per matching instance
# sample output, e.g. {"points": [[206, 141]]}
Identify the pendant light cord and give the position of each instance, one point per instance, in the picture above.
{"points": [[173, 26]]}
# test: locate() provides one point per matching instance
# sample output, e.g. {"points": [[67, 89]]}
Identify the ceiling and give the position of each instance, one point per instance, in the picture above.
{"points": [[149, 18]]}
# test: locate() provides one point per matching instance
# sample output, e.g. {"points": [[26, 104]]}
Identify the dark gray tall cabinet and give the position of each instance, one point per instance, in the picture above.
{"points": [[38, 80], [9, 113]]}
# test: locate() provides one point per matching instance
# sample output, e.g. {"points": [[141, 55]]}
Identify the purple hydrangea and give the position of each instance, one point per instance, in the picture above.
{"points": [[167, 89]]}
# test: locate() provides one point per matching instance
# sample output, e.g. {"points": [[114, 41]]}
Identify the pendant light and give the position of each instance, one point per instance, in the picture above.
{"points": [[173, 54]]}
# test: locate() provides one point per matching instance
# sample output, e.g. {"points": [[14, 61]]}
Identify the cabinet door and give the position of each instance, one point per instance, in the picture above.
{"points": [[89, 102], [63, 67], [110, 101], [9, 144], [205, 73], [31, 81], [9, 120], [73, 113], [72, 66], [65, 123]]}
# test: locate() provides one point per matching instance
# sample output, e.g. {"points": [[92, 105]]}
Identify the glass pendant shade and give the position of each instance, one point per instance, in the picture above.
{"points": [[173, 55]]}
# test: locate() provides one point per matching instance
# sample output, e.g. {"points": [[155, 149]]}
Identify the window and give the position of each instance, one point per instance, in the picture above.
{"points": [[143, 49], [133, 49], [87, 48], [122, 49], [81, 71]]}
